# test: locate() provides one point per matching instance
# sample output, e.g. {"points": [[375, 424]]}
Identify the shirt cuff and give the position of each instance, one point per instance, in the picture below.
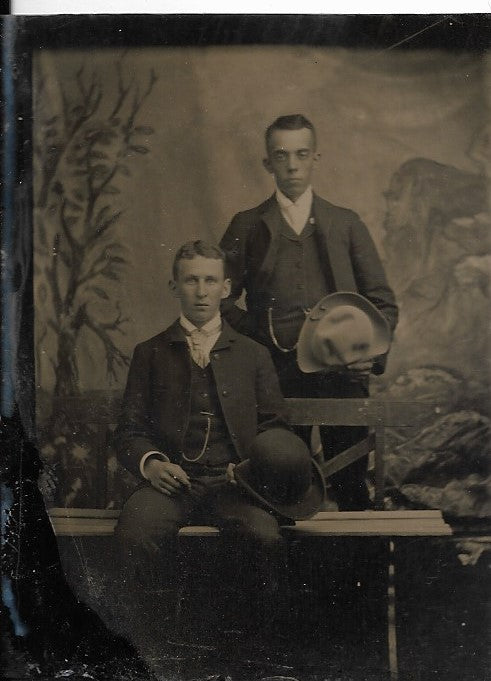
{"points": [[147, 455]]}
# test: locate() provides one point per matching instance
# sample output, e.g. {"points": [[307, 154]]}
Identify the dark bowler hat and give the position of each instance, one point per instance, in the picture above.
{"points": [[281, 474]]}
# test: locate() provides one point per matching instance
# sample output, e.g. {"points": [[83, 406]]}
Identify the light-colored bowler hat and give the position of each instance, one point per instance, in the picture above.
{"points": [[342, 328]]}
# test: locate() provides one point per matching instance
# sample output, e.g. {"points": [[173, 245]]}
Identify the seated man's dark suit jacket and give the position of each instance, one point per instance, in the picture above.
{"points": [[156, 402], [347, 254]]}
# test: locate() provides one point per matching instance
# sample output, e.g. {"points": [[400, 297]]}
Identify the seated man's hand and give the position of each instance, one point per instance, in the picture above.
{"points": [[166, 477], [362, 367], [230, 474]]}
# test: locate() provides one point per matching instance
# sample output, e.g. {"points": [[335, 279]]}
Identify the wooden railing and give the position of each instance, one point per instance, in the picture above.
{"points": [[101, 411]]}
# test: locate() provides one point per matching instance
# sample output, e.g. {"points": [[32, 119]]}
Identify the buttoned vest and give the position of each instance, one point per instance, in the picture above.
{"points": [[297, 283], [206, 415]]}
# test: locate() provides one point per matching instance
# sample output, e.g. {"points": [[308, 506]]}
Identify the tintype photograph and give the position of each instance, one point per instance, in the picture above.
{"points": [[246, 355]]}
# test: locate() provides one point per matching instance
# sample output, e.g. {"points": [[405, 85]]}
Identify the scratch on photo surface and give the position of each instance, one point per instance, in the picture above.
{"points": [[417, 33], [83, 560], [8, 596]]}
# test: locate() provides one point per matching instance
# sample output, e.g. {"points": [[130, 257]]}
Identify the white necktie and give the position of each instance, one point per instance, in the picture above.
{"points": [[200, 352], [197, 352]]}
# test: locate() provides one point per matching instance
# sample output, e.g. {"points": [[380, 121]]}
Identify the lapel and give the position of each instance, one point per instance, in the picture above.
{"points": [[322, 213], [175, 333], [328, 243], [178, 358], [222, 362], [226, 338], [272, 218]]}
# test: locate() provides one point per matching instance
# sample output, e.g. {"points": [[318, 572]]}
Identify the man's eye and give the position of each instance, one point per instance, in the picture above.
{"points": [[303, 154], [280, 156]]}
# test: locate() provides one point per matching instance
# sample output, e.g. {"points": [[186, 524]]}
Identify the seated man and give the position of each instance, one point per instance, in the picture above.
{"points": [[197, 396]]}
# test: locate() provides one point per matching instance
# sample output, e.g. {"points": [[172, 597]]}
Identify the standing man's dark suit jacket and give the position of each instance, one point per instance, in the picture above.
{"points": [[347, 254], [156, 403]]}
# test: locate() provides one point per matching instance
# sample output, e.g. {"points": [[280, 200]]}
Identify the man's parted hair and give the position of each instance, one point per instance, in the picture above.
{"points": [[290, 122], [191, 249]]}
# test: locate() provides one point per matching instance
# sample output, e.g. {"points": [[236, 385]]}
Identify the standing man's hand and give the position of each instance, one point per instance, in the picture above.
{"points": [[361, 367], [166, 477]]}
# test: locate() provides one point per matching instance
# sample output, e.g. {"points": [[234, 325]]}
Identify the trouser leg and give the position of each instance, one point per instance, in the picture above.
{"points": [[253, 534], [146, 555], [348, 485], [146, 534]]}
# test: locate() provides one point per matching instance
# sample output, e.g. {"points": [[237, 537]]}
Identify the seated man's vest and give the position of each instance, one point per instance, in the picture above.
{"points": [[207, 443]]}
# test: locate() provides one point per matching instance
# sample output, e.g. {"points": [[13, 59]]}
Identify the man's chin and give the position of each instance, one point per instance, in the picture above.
{"points": [[200, 317], [293, 189]]}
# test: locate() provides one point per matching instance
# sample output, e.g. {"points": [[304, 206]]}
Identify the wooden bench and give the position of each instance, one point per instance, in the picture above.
{"points": [[376, 414], [92, 522]]}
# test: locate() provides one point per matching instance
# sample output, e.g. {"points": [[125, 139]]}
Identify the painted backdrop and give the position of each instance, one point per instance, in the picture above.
{"points": [[136, 152]]}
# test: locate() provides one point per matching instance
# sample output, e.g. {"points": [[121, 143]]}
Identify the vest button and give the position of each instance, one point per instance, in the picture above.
{"points": [[216, 356], [224, 393]]}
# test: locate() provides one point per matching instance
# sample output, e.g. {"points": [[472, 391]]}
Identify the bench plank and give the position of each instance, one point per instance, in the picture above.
{"points": [[59, 512], [356, 412], [382, 528], [326, 523], [364, 515], [302, 411]]}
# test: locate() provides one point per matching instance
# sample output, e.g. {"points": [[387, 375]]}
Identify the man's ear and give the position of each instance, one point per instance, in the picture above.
{"points": [[317, 155], [173, 288], [227, 287], [267, 165]]}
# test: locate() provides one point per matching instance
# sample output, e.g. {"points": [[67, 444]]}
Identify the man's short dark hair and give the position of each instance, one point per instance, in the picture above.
{"points": [[290, 122], [191, 249]]}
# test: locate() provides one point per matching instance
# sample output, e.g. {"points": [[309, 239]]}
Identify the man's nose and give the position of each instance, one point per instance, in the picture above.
{"points": [[292, 162], [201, 289]]}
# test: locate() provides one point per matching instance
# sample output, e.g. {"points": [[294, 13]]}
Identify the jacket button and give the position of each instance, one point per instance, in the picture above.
{"points": [[216, 356], [233, 436], [225, 393]]}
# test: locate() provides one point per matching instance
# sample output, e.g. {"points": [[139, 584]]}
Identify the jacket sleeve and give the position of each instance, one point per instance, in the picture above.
{"points": [[135, 434], [371, 280], [271, 407], [234, 243]]}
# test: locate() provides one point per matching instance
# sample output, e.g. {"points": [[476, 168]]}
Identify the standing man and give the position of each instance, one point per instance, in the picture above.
{"points": [[288, 253], [201, 397]]}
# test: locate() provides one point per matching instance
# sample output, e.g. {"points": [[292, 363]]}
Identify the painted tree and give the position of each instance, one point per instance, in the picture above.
{"points": [[83, 144]]}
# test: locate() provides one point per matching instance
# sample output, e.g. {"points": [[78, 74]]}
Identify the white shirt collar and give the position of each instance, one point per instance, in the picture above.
{"points": [[189, 326], [304, 201]]}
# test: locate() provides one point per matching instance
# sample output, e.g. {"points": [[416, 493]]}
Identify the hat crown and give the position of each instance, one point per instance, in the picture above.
{"points": [[280, 466], [344, 327], [343, 335]]}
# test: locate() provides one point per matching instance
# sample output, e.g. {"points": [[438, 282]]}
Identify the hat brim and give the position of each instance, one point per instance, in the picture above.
{"points": [[382, 335], [301, 510]]}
